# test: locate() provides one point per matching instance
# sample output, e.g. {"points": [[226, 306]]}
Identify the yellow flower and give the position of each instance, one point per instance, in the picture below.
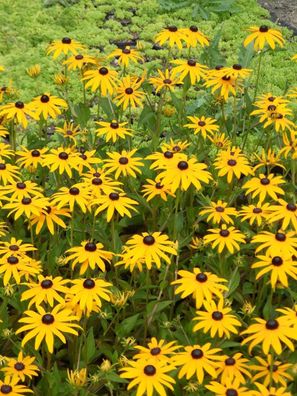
{"points": [[30, 158], [172, 34], [10, 386], [17, 112], [128, 93], [47, 105], [164, 81], [264, 35], [21, 189], [103, 78], [126, 55], [115, 202], [190, 68], [286, 212], [26, 206], [33, 71], [232, 162], [255, 213], [264, 185], [157, 350], [265, 391], [220, 140], [77, 378], [225, 237], [63, 159], [60, 79], [193, 37], [269, 159], [233, 368], [64, 46], [17, 268], [277, 243], [290, 145], [224, 82], [79, 61], [77, 194], [278, 374], [123, 163], [21, 367], [50, 217], [155, 189], [218, 212], [203, 125], [231, 388], [15, 247], [113, 130]]}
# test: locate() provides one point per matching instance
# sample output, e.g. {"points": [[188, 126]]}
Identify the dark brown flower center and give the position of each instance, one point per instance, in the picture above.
{"points": [[167, 81], [263, 28], [231, 392], [89, 284], [148, 240], [114, 125], [201, 123], [280, 237], [197, 353], [21, 185], [271, 98], [265, 181], [224, 233], [19, 105], [14, 248], [19, 366], [66, 40], [48, 319], [168, 154], [123, 160], [149, 370], [129, 91], [271, 108], [44, 98], [277, 261], [155, 351], [217, 315], [201, 277], [126, 51], [230, 361], [103, 71], [35, 153], [257, 210], [272, 324], [46, 284], [193, 29], [74, 191], [90, 247], [84, 157], [176, 148], [79, 57], [182, 165], [159, 186], [172, 29], [219, 67], [5, 389], [191, 62], [220, 209], [237, 66], [231, 162], [291, 207], [69, 132], [12, 260], [96, 174], [63, 155], [97, 181], [26, 201], [226, 78], [114, 196], [2, 166]]}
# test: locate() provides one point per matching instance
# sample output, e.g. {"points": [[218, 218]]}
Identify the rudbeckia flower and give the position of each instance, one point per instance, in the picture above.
{"points": [[47, 105], [128, 93], [79, 61], [290, 145], [264, 185], [163, 159], [286, 212], [193, 37], [100, 184], [204, 126], [126, 55], [33, 71], [218, 212], [17, 112], [255, 213], [278, 374], [237, 71], [276, 243], [10, 386], [113, 130], [87, 159], [21, 367], [77, 194], [15, 247], [8, 173], [47, 324], [64, 46], [123, 163], [115, 202], [268, 159], [271, 390], [26, 206], [5, 151], [264, 35], [156, 189], [49, 217], [190, 68], [165, 81], [69, 131], [102, 78], [231, 388], [157, 350], [16, 267], [232, 162], [225, 237], [63, 159], [223, 82], [233, 368], [21, 189], [30, 159], [173, 35]]}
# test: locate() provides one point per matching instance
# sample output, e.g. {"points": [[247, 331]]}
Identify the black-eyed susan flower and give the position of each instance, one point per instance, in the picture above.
{"points": [[220, 141], [148, 376], [202, 286], [16, 267], [128, 93], [222, 82], [33, 71], [279, 267], [264, 35], [77, 194], [157, 350], [155, 189], [126, 55], [275, 115], [64, 46], [276, 243], [88, 160], [286, 212], [225, 238], [18, 112], [5, 151], [233, 367], [21, 189], [264, 185], [176, 146], [69, 131], [148, 248], [218, 212], [49, 217], [113, 130], [190, 68], [89, 255], [216, 319], [103, 78], [30, 159], [77, 378], [79, 61], [290, 315], [101, 184], [271, 369], [90, 292], [165, 81], [183, 173], [26, 206], [172, 35], [269, 333], [15, 247], [21, 367], [48, 289], [8, 173], [47, 324], [230, 388], [162, 159], [47, 105], [123, 163], [271, 390], [3, 228], [115, 202], [62, 159], [290, 145], [60, 79], [205, 126], [193, 37], [197, 360], [268, 159], [232, 162], [255, 213], [10, 386], [237, 71]]}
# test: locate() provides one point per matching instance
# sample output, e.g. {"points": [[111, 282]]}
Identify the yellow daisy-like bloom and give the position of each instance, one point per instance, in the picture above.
{"points": [[204, 126], [89, 254], [5, 151], [225, 237], [126, 55], [17, 112], [33, 71], [255, 213], [3, 228], [46, 290], [69, 131], [264, 185], [47, 105], [218, 212], [148, 376], [101, 184], [264, 35], [196, 360], [15, 247], [26, 206], [230, 388], [77, 194], [268, 391], [128, 93], [103, 78], [30, 159], [278, 374], [224, 83], [49, 217], [63, 159], [21, 189], [202, 286], [236, 71], [87, 159], [162, 160], [290, 315], [220, 140], [268, 159], [89, 293], [15, 267], [190, 68], [176, 146], [157, 350], [279, 268], [233, 368], [277, 243], [21, 367], [193, 37], [47, 324], [285, 212], [165, 81], [77, 378], [183, 173], [290, 145], [10, 386], [79, 61], [113, 130], [217, 320], [3, 131], [270, 333], [155, 189], [173, 35], [123, 163], [115, 202], [232, 162], [8, 173], [64, 46], [150, 248], [60, 79]]}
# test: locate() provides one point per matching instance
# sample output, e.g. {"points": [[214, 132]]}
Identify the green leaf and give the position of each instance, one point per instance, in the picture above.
{"points": [[90, 346], [234, 282], [125, 327], [157, 306], [82, 114]]}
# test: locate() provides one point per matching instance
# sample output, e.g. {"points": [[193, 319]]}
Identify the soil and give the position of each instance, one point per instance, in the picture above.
{"points": [[283, 12]]}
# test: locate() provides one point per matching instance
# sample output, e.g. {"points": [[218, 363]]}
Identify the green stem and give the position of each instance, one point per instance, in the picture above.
{"points": [[258, 75]]}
